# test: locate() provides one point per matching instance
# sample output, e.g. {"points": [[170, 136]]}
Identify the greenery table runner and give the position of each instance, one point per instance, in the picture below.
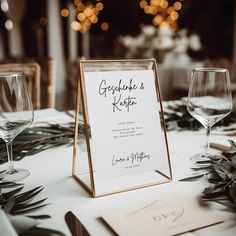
{"points": [[219, 169], [39, 138], [19, 207]]}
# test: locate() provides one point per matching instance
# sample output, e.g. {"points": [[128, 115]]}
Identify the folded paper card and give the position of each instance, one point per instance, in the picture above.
{"points": [[170, 215]]}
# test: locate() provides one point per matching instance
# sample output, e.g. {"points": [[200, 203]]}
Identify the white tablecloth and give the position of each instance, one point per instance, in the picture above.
{"points": [[52, 169]]}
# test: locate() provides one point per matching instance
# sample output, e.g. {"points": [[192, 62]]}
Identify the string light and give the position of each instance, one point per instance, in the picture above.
{"points": [[86, 15], [65, 12], [104, 26], [75, 25], [177, 5], [163, 12]]}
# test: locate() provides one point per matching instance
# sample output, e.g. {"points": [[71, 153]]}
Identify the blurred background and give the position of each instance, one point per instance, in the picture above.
{"points": [[178, 34]]}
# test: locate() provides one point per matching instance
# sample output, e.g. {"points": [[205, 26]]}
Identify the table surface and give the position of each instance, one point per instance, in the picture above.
{"points": [[53, 170]]}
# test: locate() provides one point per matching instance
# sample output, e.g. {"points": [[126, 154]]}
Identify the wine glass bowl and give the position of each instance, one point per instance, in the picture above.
{"points": [[16, 114], [209, 99]]}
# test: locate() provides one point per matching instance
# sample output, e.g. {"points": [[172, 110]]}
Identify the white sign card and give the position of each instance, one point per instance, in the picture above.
{"points": [[124, 119]]}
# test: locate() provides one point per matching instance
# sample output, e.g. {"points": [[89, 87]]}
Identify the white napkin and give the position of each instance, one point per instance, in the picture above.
{"points": [[51, 116], [6, 229]]}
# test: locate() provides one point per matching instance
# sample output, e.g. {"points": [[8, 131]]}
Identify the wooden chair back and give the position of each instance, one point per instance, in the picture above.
{"points": [[41, 80], [217, 62], [32, 72]]}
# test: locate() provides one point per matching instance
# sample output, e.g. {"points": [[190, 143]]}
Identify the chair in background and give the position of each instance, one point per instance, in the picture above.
{"points": [[174, 80], [182, 75], [32, 72], [41, 81], [181, 80], [227, 64], [217, 62]]}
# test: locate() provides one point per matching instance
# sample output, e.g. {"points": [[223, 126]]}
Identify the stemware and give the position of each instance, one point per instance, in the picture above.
{"points": [[209, 100], [16, 114]]}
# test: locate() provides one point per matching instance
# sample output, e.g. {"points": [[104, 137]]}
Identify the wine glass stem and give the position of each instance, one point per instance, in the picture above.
{"points": [[11, 168], [208, 131]]}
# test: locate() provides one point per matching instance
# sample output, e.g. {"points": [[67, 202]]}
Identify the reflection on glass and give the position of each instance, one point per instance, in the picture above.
{"points": [[209, 99], [16, 114]]}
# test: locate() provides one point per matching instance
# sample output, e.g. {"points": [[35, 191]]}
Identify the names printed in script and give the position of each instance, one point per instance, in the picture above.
{"points": [[132, 160]]}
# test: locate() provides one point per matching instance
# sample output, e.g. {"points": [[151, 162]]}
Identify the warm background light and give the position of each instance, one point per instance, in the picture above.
{"points": [[104, 26], [64, 12], [177, 5], [164, 13], [75, 25], [157, 20], [143, 4], [86, 14], [99, 6]]}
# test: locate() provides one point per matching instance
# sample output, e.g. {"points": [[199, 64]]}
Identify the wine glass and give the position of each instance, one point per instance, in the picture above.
{"points": [[209, 100], [16, 114]]}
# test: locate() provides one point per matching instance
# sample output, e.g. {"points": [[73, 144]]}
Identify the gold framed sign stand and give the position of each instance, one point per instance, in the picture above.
{"points": [[125, 145]]}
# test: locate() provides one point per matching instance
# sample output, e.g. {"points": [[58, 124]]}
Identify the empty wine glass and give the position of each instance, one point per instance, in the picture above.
{"points": [[209, 99], [16, 113]]}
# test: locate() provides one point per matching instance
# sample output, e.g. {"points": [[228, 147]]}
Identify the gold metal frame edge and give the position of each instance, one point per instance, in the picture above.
{"points": [[81, 97]]}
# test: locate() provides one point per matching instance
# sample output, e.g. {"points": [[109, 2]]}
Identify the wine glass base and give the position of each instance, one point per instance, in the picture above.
{"points": [[15, 175], [200, 157]]}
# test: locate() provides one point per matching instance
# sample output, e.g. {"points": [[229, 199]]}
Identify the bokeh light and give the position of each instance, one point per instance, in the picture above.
{"points": [[177, 5], [104, 26], [65, 12], [164, 12], [75, 25], [86, 13]]}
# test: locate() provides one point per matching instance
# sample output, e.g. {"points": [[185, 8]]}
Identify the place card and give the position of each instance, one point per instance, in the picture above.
{"points": [[126, 141], [170, 215]]}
